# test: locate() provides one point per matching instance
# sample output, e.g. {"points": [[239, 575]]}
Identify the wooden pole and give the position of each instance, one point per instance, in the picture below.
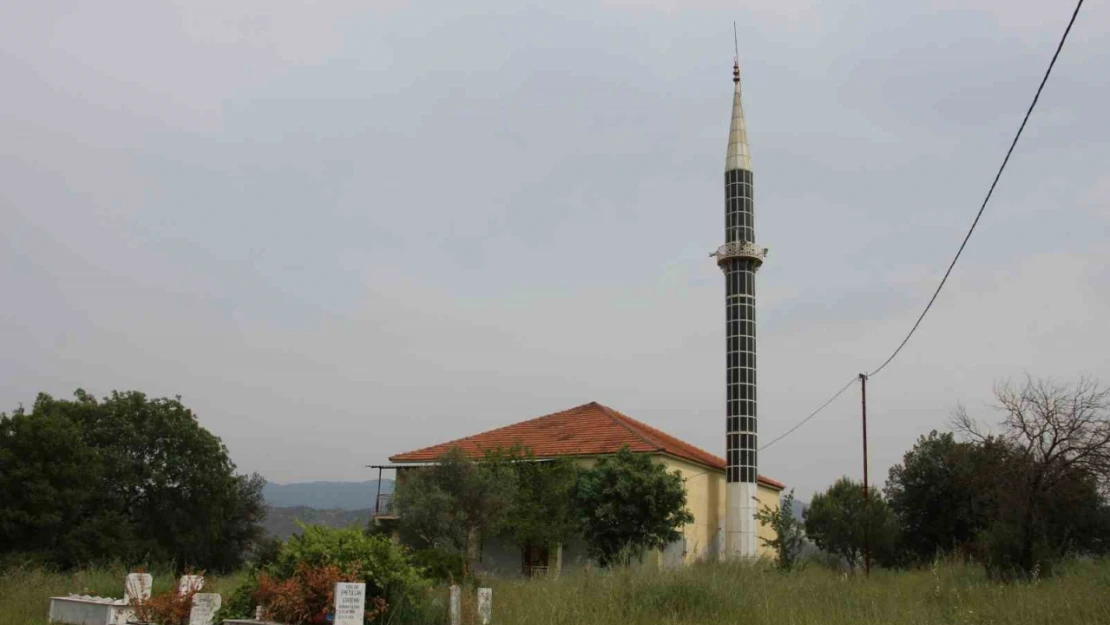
{"points": [[866, 485]]}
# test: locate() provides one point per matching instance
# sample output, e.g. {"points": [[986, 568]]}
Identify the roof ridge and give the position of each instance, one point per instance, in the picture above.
{"points": [[623, 420], [454, 442]]}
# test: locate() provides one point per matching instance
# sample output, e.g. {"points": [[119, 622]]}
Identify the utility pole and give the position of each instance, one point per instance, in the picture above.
{"points": [[866, 485]]}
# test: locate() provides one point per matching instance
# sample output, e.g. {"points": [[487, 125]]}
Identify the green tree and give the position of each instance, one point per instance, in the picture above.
{"points": [[124, 478], [541, 504], [789, 532], [839, 519], [453, 505], [627, 504], [1051, 458], [938, 498]]}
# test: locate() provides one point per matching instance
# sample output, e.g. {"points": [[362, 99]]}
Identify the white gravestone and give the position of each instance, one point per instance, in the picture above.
{"points": [[205, 606], [455, 608], [190, 583], [137, 587], [485, 605], [350, 603]]}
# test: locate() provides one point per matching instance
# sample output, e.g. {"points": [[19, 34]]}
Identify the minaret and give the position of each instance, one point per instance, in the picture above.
{"points": [[739, 258]]}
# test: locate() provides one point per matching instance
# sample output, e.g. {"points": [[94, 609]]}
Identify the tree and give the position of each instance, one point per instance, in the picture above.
{"points": [[789, 532], [936, 496], [627, 504], [839, 520], [126, 478], [541, 505], [1052, 457], [453, 505]]}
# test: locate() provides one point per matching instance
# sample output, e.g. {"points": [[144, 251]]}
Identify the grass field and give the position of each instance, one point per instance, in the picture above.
{"points": [[25, 593], [706, 595]]}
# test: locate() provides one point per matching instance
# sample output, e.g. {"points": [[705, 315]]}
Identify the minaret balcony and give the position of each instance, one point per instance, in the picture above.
{"points": [[740, 249]]}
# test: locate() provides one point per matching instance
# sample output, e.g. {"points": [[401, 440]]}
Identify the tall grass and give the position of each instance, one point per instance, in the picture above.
{"points": [[715, 593], [705, 594], [25, 591]]}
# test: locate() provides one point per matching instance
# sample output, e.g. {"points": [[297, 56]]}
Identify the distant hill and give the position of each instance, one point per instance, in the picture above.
{"points": [[347, 496], [799, 509], [282, 522]]}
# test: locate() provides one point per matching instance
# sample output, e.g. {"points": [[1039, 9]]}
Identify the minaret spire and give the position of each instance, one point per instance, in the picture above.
{"points": [[739, 155], [739, 258]]}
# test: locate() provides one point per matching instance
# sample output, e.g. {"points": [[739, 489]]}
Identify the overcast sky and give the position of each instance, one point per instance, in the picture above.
{"points": [[344, 230]]}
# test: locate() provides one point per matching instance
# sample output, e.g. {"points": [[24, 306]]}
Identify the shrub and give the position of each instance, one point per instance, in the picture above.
{"points": [[308, 596], [789, 531], [170, 607], [440, 565], [299, 583]]}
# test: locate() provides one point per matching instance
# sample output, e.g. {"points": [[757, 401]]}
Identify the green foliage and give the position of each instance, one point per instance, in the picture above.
{"points": [[265, 551], [384, 565], [541, 501], [627, 504], [453, 505], [240, 603], [1049, 471], [440, 565], [839, 520], [938, 498], [1031, 529], [789, 532], [128, 478]]}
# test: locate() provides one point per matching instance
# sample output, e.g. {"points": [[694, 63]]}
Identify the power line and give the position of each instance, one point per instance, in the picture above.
{"points": [[963, 244], [811, 415], [989, 192]]}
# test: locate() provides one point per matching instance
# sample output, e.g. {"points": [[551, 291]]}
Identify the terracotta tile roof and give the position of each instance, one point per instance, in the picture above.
{"points": [[587, 430]]}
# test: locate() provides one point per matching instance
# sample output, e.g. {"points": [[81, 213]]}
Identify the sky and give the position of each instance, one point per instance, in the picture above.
{"points": [[344, 230]]}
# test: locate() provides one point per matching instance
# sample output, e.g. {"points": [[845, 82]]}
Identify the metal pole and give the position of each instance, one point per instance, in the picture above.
{"points": [[866, 485], [378, 497]]}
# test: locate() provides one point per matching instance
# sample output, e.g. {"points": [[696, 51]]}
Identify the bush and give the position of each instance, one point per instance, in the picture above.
{"points": [[240, 603], [440, 565], [309, 595], [169, 607], [298, 584]]}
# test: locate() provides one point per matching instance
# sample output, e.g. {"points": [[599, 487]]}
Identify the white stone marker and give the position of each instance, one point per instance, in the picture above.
{"points": [[455, 608], [350, 603], [205, 606], [485, 605], [137, 586], [189, 583]]}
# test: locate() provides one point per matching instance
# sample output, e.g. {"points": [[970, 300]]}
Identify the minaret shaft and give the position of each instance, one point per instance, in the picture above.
{"points": [[739, 258]]}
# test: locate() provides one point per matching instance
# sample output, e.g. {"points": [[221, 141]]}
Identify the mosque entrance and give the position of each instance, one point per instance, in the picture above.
{"points": [[535, 561]]}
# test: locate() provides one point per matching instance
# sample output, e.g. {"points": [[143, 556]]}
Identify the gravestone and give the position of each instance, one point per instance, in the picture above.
{"points": [[190, 583], [350, 603], [455, 608], [136, 587], [485, 605], [205, 606]]}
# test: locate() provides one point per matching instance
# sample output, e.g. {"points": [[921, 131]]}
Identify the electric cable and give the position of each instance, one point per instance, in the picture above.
{"points": [[963, 244], [990, 192], [811, 415]]}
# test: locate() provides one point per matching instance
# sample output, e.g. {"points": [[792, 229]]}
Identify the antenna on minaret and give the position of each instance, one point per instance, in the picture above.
{"points": [[735, 59], [736, 42]]}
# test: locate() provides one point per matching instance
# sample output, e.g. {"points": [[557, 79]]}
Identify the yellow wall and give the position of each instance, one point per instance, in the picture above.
{"points": [[705, 498]]}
